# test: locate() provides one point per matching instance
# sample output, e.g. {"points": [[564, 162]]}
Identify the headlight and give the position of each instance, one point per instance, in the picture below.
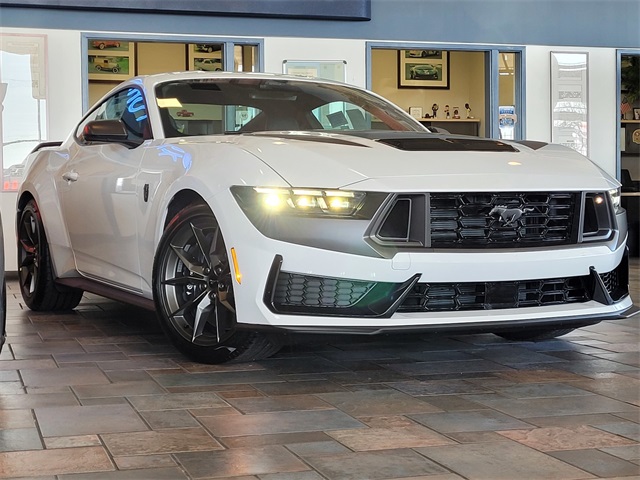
{"points": [[615, 198], [300, 201]]}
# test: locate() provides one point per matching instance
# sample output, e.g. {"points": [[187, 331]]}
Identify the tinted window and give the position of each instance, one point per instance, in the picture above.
{"points": [[200, 107]]}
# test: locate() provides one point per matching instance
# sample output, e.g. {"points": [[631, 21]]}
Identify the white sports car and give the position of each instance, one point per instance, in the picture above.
{"points": [[241, 206]]}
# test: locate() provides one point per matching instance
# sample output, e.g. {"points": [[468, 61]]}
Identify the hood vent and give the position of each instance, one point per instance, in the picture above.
{"points": [[306, 137], [446, 144]]}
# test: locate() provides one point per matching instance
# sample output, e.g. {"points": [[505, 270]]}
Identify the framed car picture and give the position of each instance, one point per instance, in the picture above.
{"points": [[205, 56], [423, 69], [111, 60]]}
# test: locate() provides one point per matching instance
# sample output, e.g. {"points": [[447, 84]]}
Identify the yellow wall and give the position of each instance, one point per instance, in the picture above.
{"points": [[161, 57]]}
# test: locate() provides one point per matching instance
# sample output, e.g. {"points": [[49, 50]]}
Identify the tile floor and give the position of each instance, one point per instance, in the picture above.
{"points": [[98, 394]]}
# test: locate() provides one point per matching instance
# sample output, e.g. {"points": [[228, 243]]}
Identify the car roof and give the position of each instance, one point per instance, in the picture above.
{"points": [[150, 81]]}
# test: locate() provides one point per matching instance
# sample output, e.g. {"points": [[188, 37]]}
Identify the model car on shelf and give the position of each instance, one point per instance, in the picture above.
{"points": [[290, 204], [424, 71]]}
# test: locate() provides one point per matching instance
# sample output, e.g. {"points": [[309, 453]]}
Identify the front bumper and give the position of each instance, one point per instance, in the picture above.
{"points": [[471, 306], [379, 286], [374, 302]]}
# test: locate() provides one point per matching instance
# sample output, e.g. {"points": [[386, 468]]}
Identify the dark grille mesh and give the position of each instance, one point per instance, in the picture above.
{"points": [[611, 280], [427, 297], [318, 292], [306, 294], [502, 219]]}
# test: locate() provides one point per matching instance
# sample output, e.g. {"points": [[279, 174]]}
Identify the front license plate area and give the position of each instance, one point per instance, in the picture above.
{"points": [[501, 295]]}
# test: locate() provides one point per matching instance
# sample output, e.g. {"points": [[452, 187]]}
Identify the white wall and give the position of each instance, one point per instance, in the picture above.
{"points": [[279, 49]]}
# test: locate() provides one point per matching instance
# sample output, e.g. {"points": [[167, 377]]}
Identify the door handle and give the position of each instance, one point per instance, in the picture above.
{"points": [[70, 176]]}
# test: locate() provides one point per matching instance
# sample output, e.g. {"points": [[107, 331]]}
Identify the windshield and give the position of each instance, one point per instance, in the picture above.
{"points": [[215, 106]]}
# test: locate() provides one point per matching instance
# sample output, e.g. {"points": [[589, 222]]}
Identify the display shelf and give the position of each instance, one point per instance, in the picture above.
{"points": [[462, 126]]}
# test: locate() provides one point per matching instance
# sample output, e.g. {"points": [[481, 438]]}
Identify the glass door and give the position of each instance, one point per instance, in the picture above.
{"points": [[508, 96]]}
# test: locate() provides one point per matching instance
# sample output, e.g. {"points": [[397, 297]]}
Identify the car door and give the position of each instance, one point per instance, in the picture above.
{"points": [[98, 193]]}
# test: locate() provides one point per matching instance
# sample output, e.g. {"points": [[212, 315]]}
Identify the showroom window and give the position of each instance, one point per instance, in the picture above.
{"points": [[23, 101], [508, 98], [245, 58], [110, 60], [629, 119], [470, 91]]}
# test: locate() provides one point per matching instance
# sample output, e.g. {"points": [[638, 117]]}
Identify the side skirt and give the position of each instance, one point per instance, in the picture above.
{"points": [[108, 292]]}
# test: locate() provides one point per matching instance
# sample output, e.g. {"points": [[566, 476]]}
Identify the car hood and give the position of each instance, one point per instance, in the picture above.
{"points": [[407, 161]]}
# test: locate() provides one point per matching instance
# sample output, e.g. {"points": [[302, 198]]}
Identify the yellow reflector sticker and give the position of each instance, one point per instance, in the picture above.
{"points": [[236, 269]]}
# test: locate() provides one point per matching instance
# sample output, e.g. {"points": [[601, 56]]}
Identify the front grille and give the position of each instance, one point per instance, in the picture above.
{"points": [[433, 297], [473, 220], [489, 220]]}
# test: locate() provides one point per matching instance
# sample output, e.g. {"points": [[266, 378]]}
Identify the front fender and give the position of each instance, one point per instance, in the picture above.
{"points": [[200, 170]]}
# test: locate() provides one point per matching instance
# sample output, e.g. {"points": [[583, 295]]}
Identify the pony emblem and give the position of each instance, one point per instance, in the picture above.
{"points": [[508, 216]]}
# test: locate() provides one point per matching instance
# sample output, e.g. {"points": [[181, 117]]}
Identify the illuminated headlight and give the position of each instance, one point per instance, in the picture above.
{"points": [[615, 198], [300, 201]]}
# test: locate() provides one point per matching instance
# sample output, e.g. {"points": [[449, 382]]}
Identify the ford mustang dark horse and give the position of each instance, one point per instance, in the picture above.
{"points": [[295, 204]]}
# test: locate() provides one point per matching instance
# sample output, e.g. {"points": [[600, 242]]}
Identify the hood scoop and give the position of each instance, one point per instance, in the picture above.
{"points": [[446, 144]]}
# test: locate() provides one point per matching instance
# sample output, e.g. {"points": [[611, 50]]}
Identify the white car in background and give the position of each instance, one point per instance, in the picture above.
{"points": [[292, 204]]}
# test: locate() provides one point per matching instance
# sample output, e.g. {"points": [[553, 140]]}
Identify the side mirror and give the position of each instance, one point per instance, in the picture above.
{"points": [[107, 131]]}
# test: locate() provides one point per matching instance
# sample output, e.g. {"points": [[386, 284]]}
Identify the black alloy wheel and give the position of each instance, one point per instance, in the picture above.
{"points": [[193, 292], [35, 272]]}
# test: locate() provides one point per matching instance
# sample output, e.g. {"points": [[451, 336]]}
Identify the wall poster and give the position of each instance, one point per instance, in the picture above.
{"points": [[569, 100], [327, 69], [423, 69]]}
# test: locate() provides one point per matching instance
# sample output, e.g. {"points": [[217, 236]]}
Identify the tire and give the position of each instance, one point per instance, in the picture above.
{"points": [[99, 68], [115, 69], [101, 46], [35, 271], [193, 293], [534, 335]]}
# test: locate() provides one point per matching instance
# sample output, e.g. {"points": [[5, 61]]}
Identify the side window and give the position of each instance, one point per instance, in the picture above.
{"points": [[129, 107], [344, 116]]}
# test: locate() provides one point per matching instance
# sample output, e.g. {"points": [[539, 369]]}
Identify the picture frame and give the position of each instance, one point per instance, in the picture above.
{"points": [[423, 69], [205, 56], [636, 113], [328, 69], [110, 60], [416, 112]]}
